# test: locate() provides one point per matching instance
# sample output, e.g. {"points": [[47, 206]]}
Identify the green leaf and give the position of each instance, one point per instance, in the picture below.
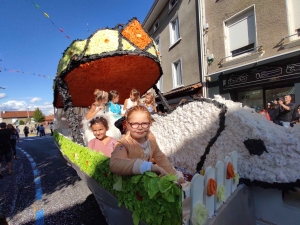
{"points": [[135, 218], [153, 187], [164, 184], [151, 174], [135, 179], [118, 182]]}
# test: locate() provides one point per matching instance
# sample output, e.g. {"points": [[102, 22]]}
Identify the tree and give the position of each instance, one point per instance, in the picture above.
{"points": [[38, 116], [21, 122]]}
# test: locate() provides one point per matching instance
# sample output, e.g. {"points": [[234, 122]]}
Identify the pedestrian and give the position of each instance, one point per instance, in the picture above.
{"points": [[17, 129], [51, 128], [286, 111], [31, 129], [13, 140], [272, 111], [26, 131], [42, 130], [5, 147], [37, 130]]}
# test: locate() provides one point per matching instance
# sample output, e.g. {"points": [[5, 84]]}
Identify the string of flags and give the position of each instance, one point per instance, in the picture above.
{"points": [[18, 71], [48, 17]]}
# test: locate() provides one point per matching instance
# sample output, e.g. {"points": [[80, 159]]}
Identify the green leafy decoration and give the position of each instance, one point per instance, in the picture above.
{"points": [[152, 199]]}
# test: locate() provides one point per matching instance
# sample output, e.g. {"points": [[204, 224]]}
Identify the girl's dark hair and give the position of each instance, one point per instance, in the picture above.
{"points": [[101, 120], [13, 128], [112, 94]]}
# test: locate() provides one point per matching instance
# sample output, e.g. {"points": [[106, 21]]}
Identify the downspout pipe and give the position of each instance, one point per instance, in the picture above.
{"points": [[202, 50]]}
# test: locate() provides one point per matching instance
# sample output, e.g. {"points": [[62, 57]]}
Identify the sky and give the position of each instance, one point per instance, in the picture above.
{"points": [[31, 44]]}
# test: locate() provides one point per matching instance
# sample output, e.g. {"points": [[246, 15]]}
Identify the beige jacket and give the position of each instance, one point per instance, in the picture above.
{"points": [[127, 152]]}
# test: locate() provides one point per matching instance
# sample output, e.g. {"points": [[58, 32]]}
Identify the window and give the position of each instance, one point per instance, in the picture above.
{"points": [[241, 34], [177, 73], [172, 3], [157, 42], [159, 84], [174, 30], [294, 19], [156, 25]]}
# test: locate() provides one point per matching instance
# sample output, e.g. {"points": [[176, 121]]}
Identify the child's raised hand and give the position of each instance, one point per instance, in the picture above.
{"points": [[158, 170]]}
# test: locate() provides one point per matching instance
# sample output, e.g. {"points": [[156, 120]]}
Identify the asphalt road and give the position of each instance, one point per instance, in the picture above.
{"points": [[44, 190]]}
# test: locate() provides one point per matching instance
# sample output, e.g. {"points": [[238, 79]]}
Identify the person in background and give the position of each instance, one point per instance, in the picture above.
{"points": [[296, 117], [272, 111], [265, 113], [13, 140], [37, 130], [101, 142], [5, 147], [101, 98], [133, 100], [114, 107], [286, 110], [17, 129], [51, 128], [149, 102], [26, 131], [42, 130], [134, 152]]}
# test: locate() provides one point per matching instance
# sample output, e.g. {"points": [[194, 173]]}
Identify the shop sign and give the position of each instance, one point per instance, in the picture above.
{"points": [[272, 72]]}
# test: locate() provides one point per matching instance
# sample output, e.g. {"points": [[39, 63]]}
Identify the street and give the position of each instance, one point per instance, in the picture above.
{"points": [[44, 190]]}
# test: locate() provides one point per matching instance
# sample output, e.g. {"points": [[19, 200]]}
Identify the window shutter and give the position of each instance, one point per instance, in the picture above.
{"points": [[296, 13], [241, 31]]}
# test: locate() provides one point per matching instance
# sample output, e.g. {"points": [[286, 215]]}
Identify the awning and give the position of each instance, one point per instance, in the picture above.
{"points": [[289, 92]]}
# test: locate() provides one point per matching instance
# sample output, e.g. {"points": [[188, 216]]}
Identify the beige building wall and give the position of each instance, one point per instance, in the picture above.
{"points": [[271, 26], [186, 48]]}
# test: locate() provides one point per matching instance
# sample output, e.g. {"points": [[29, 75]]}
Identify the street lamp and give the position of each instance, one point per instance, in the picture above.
{"points": [[27, 112]]}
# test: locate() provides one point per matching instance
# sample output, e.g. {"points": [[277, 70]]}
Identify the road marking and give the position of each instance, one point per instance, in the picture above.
{"points": [[39, 215]]}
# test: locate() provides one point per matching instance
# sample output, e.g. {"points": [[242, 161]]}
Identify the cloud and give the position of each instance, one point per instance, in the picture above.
{"points": [[35, 100], [2, 95], [14, 105]]}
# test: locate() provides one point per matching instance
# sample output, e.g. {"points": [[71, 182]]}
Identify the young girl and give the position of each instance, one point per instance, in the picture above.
{"points": [[134, 151], [101, 142], [101, 98], [133, 100], [149, 102], [113, 105], [98, 109]]}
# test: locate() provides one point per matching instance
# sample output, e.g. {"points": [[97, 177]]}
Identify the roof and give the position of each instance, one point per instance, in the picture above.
{"points": [[49, 118], [16, 114], [153, 13], [191, 87]]}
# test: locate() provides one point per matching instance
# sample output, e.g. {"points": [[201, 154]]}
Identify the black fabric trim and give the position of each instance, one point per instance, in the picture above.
{"points": [[72, 117]]}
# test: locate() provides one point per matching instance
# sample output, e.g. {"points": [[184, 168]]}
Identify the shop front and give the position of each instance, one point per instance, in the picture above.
{"points": [[257, 86]]}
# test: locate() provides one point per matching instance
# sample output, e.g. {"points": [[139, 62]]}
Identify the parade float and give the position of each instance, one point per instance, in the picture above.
{"points": [[217, 141]]}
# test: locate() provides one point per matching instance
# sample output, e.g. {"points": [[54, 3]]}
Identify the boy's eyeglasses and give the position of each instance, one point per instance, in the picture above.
{"points": [[136, 125]]}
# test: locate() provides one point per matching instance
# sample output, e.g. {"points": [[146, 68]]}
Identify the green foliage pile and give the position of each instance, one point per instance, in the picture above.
{"points": [[152, 199], [38, 116]]}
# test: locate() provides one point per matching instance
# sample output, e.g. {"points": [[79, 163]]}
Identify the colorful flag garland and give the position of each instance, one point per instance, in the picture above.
{"points": [[17, 71], [48, 17]]}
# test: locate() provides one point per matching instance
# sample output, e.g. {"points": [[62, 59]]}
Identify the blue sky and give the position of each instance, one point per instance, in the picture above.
{"points": [[32, 45]]}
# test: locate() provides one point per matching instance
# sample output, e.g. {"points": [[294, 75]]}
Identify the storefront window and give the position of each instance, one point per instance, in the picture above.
{"points": [[252, 99], [272, 94]]}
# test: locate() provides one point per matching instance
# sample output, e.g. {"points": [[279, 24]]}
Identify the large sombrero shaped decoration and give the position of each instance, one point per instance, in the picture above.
{"points": [[120, 59]]}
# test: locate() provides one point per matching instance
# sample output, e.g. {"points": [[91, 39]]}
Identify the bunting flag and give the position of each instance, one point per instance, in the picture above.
{"points": [[48, 17], [18, 71]]}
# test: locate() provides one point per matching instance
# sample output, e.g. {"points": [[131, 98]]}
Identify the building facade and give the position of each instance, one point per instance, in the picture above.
{"points": [[252, 49], [173, 25]]}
